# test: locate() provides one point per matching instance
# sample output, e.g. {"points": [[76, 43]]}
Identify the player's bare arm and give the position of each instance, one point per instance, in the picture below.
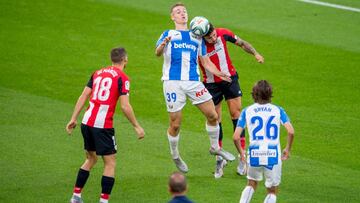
{"points": [[236, 139], [78, 107], [249, 49], [129, 113], [160, 49], [205, 60], [290, 130]]}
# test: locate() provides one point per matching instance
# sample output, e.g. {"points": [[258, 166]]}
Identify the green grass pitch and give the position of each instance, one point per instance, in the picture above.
{"points": [[50, 48]]}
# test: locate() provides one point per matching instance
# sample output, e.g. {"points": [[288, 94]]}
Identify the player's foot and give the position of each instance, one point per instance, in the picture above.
{"points": [[76, 199], [241, 169], [224, 154], [219, 170], [181, 165]]}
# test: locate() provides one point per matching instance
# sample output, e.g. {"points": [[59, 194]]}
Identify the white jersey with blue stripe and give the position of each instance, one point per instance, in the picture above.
{"points": [[263, 124], [181, 55]]}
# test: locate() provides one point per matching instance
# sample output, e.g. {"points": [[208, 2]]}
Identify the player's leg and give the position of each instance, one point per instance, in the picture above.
{"points": [[220, 162], [254, 175], [173, 137], [90, 161], [248, 191], [212, 128], [272, 182], [108, 178], [106, 147], [271, 195], [83, 175], [217, 96], [175, 99]]}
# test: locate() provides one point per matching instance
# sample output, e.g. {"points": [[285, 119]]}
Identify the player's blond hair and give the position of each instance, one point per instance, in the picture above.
{"points": [[176, 5]]}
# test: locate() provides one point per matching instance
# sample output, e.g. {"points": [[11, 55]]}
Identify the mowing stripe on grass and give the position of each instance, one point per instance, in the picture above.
{"points": [[331, 5]]}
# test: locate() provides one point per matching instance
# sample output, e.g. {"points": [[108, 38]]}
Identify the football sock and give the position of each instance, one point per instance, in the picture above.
{"points": [[213, 132], [246, 194], [270, 198], [107, 184], [173, 142], [234, 121], [220, 134], [242, 142], [104, 198], [80, 181]]}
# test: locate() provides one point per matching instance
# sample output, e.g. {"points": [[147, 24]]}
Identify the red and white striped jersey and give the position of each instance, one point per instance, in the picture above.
{"points": [[107, 85], [219, 55]]}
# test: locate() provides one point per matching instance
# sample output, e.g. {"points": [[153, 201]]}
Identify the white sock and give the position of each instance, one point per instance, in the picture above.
{"points": [[104, 200], [173, 142], [213, 132], [270, 198], [246, 194]]}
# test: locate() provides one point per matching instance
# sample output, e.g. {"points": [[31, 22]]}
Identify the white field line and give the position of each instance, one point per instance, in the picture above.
{"points": [[331, 5]]}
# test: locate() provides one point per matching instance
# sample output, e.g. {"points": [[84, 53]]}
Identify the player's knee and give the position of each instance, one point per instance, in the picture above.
{"points": [[271, 190], [91, 158], [175, 127], [212, 118]]}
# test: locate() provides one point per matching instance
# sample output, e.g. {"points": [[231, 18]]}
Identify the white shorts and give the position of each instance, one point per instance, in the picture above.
{"points": [[176, 91], [272, 177]]}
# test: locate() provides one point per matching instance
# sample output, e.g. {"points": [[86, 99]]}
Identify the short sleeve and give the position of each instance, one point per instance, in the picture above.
{"points": [[162, 37], [90, 82], [228, 35], [283, 116], [123, 85], [242, 119]]}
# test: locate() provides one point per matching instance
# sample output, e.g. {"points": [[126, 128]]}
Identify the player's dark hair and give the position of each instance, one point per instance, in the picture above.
{"points": [[175, 5], [177, 183], [262, 92], [118, 55], [211, 29]]}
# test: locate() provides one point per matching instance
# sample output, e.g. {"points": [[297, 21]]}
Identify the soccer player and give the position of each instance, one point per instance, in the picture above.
{"points": [[178, 188], [264, 153], [105, 87], [216, 47], [181, 79]]}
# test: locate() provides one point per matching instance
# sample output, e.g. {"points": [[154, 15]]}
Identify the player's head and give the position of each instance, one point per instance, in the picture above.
{"points": [[178, 13], [177, 183], [211, 35], [262, 92], [118, 56]]}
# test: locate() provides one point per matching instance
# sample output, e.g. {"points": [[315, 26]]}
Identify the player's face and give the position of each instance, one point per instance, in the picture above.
{"points": [[179, 15], [211, 38]]}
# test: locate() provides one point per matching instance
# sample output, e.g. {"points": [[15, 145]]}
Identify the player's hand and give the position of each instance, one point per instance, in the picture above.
{"points": [[140, 132], [285, 155], [70, 126], [242, 158], [259, 58], [225, 77], [165, 41]]}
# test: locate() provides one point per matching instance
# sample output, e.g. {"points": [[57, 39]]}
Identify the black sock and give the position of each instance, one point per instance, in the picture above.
{"points": [[220, 132], [81, 178], [234, 121], [107, 184], [243, 133]]}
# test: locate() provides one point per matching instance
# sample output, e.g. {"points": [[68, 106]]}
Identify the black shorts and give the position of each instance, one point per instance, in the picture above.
{"points": [[101, 140], [223, 89]]}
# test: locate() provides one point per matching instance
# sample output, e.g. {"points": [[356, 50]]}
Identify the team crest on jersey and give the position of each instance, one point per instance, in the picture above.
{"points": [[127, 85]]}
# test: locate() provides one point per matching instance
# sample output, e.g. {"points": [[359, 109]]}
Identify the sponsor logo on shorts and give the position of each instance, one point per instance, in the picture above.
{"points": [[201, 93], [170, 106]]}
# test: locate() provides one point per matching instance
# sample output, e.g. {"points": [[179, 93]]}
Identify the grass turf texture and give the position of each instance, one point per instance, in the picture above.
{"points": [[49, 50]]}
